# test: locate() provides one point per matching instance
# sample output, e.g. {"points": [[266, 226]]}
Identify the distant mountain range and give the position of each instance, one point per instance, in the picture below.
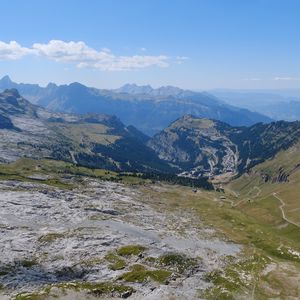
{"points": [[190, 146], [150, 110], [276, 104]]}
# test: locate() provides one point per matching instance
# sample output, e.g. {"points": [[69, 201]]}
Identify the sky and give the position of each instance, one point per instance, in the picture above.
{"points": [[193, 44]]}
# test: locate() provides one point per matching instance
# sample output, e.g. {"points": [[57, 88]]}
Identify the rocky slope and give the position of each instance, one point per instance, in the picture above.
{"points": [[6, 123], [150, 110], [94, 140], [99, 240], [202, 147]]}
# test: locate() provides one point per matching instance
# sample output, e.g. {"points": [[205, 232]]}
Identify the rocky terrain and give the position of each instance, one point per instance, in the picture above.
{"points": [[100, 238]]}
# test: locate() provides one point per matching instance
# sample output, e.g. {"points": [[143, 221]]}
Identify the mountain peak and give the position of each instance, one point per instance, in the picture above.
{"points": [[51, 85], [192, 122], [163, 91], [77, 85], [5, 79], [132, 88], [168, 90], [12, 103]]}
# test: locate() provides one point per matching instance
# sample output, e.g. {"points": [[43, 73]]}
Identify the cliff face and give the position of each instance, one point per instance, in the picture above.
{"points": [[199, 146], [6, 123], [280, 176]]}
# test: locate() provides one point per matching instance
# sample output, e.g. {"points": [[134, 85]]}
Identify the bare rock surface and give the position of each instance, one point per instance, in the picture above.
{"points": [[50, 236]]}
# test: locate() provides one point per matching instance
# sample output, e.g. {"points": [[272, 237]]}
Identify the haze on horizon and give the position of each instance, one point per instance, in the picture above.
{"points": [[194, 45]]}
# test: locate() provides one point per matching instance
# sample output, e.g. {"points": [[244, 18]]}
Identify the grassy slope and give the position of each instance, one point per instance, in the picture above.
{"points": [[288, 161], [25, 169], [262, 219], [249, 213], [86, 133]]}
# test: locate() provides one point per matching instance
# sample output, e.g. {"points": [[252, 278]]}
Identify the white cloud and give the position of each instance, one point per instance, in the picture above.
{"points": [[286, 78], [119, 63], [105, 50], [12, 51], [181, 59], [69, 51], [86, 57], [274, 79], [82, 55], [253, 79]]}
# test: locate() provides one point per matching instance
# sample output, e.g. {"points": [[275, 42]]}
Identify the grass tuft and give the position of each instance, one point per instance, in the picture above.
{"points": [[140, 274], [131, 250], [179, 262], [116, 263], [50, 237]]}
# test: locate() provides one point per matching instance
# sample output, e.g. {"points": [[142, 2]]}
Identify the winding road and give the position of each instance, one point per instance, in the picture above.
{"points": [[282, 210], [281, 207]]}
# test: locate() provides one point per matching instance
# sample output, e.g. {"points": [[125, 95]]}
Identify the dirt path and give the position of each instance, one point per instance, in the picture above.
{"points": [[282, 211], [233, 204], [281, 207]]}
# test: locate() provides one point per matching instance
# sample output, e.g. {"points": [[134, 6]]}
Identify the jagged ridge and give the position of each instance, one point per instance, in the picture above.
{"points": [[150, 110]]}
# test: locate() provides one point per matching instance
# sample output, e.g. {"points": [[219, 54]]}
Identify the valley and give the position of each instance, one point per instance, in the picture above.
{"points": [[92, 208], [150, 150], [191, 146]]}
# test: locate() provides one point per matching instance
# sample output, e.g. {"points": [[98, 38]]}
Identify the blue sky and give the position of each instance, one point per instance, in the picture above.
{"points": [[197, 44]]}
